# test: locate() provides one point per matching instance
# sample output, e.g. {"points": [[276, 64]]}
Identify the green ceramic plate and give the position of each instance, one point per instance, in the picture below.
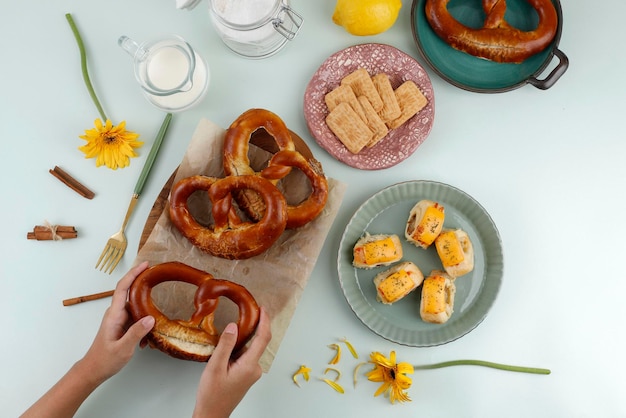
{"points": [[386, 212], [480, 75]]}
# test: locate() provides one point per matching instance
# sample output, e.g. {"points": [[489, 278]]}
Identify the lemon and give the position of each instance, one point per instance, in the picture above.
{"points": [[366, 17]]}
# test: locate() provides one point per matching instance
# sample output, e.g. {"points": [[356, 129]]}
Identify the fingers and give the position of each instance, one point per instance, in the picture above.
{"points": [[135, 334], [225, 345], [121, 290], [261, 338]]}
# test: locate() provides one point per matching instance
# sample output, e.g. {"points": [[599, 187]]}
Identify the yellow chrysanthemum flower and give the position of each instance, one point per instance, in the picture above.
{"points": [[392, 374], [111, 145]]}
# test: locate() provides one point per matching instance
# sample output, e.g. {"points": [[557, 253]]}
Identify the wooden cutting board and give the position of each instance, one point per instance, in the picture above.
{"points": [[260, 138]]}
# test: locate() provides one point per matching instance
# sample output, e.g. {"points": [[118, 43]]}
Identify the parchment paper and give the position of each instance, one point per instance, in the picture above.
{"points": [[276, 278]]}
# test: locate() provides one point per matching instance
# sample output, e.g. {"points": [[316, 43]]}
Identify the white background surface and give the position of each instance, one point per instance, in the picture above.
{"points": [[547, 165]]}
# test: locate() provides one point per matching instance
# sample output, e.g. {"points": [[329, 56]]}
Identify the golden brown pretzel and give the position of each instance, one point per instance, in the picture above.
{"points": [[496, 40], [229, 237], [237, 139], [196, 338], [310, 208], [236, 162]]}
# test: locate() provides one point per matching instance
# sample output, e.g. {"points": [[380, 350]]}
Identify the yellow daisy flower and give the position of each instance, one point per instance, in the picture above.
{"points": [[392, 374], [111, 145]]}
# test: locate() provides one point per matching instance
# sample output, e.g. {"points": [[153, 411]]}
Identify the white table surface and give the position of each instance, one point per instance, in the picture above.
{"points": [[548, 166]]}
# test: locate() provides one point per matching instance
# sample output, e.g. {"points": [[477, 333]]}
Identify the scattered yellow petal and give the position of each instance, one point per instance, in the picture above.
{"points": [[333, 385], [356, 371], [350, 347], [337, 357], [332, 369], [304, 371]]}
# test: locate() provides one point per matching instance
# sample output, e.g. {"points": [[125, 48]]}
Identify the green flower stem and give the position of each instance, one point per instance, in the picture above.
{"points": [[83, 64], [483, 363]]}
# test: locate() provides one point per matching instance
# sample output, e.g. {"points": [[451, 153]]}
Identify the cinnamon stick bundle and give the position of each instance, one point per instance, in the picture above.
{"points": [[46, 233]]}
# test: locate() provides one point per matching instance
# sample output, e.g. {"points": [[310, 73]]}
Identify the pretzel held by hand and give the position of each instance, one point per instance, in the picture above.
{"points": [[496, 40], [229, 236], [236, 162], [196, 338]]}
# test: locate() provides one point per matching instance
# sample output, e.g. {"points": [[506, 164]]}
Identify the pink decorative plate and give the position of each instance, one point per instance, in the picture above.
{"points": [[399, 143]]}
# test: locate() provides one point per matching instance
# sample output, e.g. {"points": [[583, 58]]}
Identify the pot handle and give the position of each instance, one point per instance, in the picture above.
{"points": [[554, 75]]}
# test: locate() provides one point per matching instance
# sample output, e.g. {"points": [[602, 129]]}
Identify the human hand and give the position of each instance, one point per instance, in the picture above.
{"points": [[112, 348], [116, 341], [224, 382]]}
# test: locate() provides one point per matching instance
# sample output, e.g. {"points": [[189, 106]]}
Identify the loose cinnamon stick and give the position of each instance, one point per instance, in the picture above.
{"points": [[72, 183], [45, 233], [87, 298]]}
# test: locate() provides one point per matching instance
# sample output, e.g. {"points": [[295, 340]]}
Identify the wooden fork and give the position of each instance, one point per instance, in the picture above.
{"points": [[117, 243]]}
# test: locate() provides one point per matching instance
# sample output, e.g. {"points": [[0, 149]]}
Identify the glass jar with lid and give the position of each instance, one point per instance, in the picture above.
{"points": [[255, 28]]}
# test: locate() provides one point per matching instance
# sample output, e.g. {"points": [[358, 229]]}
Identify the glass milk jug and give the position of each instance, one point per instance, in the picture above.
{"points": [[172, 76], [255, 28]]}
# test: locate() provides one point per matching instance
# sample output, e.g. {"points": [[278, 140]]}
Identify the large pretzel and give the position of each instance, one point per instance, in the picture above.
{"points": [[237, 139], [229, 237], [496, 40], [237, 162], [196, 338], [307, 210]]}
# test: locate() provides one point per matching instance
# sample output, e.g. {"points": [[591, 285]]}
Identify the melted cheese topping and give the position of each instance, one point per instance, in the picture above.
{"points": [[449, 249], [430, 225], [395, 286], [434, 295], [381, 251]]}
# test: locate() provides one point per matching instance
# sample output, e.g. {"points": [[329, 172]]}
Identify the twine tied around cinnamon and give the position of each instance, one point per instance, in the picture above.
{"points": [[53, 230], [50, 232]]}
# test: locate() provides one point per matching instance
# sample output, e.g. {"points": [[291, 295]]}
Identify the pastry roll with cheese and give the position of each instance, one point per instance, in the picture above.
{"points": [[397, 282], [425, 223], [376, 250], [437, 297], [455, 252]]}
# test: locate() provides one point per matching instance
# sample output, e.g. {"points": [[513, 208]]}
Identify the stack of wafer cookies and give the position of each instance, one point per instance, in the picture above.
{"points": [[363, 108]]}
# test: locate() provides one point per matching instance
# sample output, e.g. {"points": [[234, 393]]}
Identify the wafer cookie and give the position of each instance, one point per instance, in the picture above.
{"points": [[349, 127], [344, 94], [411, 101], [391, 108], [374, 122], [362, 85]]}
